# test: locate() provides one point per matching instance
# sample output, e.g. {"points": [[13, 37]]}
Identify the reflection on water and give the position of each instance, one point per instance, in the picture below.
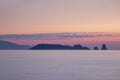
{"points": [[59, 65]]}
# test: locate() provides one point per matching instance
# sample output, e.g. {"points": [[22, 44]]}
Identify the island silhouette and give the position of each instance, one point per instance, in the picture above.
{"points": [[96, 48], [103, 47], [5, 45], [64, 47], [58, 47]]}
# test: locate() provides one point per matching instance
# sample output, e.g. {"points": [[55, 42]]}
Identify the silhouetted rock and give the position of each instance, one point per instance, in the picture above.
{"points": [[58, 47], [80, 47], [77, 47], [5, 45], [51, 47], [96, 48], [86, 48], [103, 47]]}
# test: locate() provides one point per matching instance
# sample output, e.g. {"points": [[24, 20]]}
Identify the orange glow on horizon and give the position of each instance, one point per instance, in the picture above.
{"points": [[33, 17]]}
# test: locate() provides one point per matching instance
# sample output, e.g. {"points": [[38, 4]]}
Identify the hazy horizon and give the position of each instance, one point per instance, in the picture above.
{"points": [[47, 17], [87, 39]]}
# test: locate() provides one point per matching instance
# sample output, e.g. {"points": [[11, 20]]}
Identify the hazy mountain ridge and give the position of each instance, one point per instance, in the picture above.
{"points": [[5, 45]]}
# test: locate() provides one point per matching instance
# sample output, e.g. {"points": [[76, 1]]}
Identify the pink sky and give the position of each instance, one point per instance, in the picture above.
{"points": [[86, 39], [60, 16]]}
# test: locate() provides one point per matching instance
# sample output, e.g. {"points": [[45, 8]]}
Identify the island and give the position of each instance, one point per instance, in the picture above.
{"points": [[58, 47]]}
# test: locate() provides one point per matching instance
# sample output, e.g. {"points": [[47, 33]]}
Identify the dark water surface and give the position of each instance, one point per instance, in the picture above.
{"points": [[59, 65]]}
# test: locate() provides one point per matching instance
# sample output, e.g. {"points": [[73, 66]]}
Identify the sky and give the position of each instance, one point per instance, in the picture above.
{"points": [[56, 16], [90, 39], [88, 22]]}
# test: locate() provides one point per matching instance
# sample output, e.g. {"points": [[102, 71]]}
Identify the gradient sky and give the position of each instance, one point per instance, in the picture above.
{"points": [[56, 16], [67, 20], [87, 39]]}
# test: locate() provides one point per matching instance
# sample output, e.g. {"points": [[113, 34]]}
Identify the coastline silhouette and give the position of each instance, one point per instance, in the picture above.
{"points": [[5, 45], [58, 47], [64, 47]]}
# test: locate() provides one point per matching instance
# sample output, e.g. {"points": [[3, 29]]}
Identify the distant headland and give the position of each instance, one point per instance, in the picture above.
{"points": [[5, 45], [64, 47]]}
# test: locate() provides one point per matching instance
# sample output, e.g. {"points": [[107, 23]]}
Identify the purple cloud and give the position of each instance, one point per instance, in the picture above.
{"points": [[52, 36]]}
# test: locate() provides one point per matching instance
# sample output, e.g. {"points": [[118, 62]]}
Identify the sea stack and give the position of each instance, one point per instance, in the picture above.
{"points": [[104, 47], [96, 48]]}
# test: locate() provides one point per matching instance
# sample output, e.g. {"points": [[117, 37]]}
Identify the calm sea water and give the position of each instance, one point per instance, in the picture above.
{"points": [[59, 65]]}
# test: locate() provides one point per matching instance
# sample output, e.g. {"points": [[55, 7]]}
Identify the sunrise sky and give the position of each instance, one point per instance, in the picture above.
{"points": [[51, 16], [60, 16]]}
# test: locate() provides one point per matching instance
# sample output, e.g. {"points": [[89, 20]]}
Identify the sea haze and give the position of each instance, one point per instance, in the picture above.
{"points": [[90, 39], [59, 65]]}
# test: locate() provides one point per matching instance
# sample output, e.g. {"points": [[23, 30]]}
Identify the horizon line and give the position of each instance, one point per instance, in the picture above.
{"points": [[58, 33]]}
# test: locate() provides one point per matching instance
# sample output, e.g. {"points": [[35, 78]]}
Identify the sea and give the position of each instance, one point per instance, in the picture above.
{"points": [[59, 65]]}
